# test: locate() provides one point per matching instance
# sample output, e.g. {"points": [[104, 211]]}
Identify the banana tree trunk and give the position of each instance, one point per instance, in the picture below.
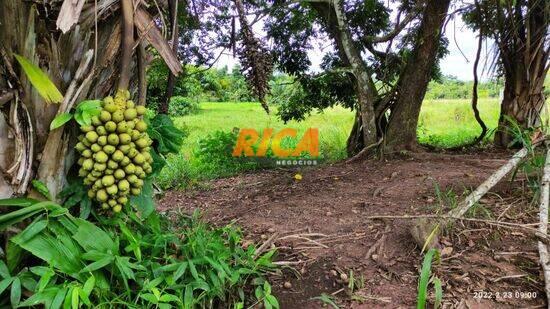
{"points": [[82, 63]]}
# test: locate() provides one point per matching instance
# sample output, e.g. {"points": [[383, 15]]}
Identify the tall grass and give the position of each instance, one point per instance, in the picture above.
{"points": [[451, 123]]}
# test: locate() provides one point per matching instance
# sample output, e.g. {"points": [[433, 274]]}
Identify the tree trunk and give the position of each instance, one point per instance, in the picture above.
{"points": [[29, 149], [523, 53], [413, 82], [364, 132], [522, 102]]}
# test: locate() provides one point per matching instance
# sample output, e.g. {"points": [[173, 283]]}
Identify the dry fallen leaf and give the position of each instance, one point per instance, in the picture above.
{"points": [[446, 251]]}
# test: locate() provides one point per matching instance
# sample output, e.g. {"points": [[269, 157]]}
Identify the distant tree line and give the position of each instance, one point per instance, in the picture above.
{"points": [[229, 85]]}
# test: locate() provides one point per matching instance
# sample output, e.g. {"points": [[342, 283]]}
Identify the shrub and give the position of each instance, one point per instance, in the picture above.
{"points": [[181, 106], [215, 154], [125, 261]]}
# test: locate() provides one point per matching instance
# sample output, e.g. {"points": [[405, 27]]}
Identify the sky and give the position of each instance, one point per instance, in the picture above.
{"points": [[459, 62]]}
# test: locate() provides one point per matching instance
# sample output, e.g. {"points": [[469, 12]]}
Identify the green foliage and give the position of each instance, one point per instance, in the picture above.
{"points": [[450, 87], [167, 138], [40, 81], [531, 168], [215, 153], [127, 262], [425, 274], [86, 110], [60, 120], [83, 114], [181, 106], [197, 84], [76, 193], [327, 300], [263, 294]]}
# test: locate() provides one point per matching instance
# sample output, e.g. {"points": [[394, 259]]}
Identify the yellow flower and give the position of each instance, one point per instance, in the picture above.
{"points": [[298, 177]]}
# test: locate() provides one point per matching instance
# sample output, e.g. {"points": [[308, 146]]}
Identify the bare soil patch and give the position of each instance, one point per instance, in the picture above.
{"points": [[326, 239]]}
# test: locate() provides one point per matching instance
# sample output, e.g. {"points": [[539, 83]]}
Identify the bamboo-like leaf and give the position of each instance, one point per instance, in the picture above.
{"points": [[60, 120], [41, 82], [425, 279]]}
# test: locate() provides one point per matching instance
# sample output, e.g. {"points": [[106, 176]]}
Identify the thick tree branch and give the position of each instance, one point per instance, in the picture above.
{"points": [[398, 28]]}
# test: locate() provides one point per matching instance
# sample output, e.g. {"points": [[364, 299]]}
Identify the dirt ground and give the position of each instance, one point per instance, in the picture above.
{"points": [[325, 238]]}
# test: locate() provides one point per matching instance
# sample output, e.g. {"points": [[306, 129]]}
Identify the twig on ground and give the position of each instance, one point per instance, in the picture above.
{"points": [[265, 245], [510, 225], [509, 277]]}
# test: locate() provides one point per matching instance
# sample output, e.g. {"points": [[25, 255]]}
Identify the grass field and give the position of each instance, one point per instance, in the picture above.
{"points": [[442, 123], [450, 123]]}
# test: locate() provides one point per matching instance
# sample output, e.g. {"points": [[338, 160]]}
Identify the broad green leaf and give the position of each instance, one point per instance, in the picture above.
{"points": [[91, 237], [60, 120], [168, 138], [75, 298], [188, 297], [272, 300], [4, 271], [89, 285], [89, 105], [98, 264], [150, 298], [40, 81], [15, 294], [45, 297], [193, 270], [4, 284], [14, 255], [80, 120], [180, 271], [84, 297], [86, 110], [153, 283], [28, 281], [45, 279], [57, 248], [68, 297], [144, 201], [41, 188], [167, 298], [32, 230], [58, 299], [19, 215], [18, 201]]}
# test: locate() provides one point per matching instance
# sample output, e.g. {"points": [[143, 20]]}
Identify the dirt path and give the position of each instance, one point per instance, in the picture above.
{"points": [[324, 234]]}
